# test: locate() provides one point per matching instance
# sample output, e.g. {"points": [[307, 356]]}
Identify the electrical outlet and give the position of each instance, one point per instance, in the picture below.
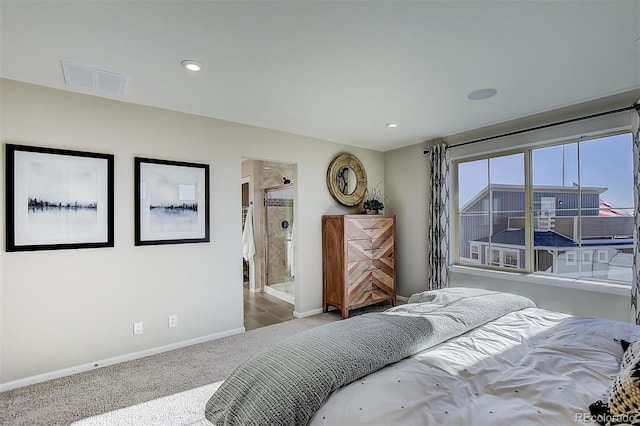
{"points": [[173, 321], [137, 328]]}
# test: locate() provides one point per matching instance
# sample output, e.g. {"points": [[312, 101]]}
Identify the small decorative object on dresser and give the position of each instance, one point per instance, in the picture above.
{"points": [[358, 261], [373, 202]]}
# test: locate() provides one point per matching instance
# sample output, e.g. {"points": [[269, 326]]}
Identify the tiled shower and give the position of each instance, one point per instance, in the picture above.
{"points": [[279, 229]]}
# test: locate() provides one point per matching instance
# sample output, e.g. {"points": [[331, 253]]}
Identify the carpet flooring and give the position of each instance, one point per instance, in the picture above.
{"points": [[69, 399], [180, 409]]}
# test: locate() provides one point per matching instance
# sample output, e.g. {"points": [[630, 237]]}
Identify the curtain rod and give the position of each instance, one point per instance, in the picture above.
{"points": [[544, 126]]}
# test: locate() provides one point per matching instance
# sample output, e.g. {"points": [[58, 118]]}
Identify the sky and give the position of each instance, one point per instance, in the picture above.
{"points": [[62, 183], [163, 183], [605, 162]]}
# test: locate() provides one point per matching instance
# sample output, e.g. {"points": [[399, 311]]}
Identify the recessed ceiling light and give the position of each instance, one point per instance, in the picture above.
{"points": [[191, 65], [480, 94], [392, 125]]}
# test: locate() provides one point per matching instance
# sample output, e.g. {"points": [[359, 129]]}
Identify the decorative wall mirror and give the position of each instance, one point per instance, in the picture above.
{"points": [[347, 180]]}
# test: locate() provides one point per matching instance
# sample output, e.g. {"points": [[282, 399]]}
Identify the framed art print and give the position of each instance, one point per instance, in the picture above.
{"points": [[171, 202], [58, 199]]}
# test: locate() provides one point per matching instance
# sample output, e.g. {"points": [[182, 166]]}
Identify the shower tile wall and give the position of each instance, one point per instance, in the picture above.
{"points": [[279, 211]]}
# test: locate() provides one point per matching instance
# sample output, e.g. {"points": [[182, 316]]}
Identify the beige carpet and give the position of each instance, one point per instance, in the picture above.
{"points": [[193, 369], [181, 409]]}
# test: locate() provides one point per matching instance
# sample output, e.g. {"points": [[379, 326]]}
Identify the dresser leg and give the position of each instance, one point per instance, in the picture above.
{"points": [[345, 313]]}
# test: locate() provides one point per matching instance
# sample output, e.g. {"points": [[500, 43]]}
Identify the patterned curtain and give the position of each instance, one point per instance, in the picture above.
{"points": [[438, 241], [635, 284]]}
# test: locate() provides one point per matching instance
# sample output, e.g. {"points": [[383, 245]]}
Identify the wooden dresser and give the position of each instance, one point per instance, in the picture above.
{"points": [[358, 261]]}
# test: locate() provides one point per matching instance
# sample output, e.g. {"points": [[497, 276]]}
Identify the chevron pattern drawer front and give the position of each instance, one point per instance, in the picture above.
{"points": [[358, 261], [369, 249], [367, 227]]}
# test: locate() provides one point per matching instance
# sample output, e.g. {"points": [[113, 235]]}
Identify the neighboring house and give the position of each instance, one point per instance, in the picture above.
{"points": [[575, 232]]}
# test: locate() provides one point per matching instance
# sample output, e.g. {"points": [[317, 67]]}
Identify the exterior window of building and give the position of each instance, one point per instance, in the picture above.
{"points": [[475, 252], [570, 258], [510, 258], [573, 218], [603, 256], [494, 257]]}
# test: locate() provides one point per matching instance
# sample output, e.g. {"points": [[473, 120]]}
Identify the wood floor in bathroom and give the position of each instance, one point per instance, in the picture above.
{"points": [[262, 309]]}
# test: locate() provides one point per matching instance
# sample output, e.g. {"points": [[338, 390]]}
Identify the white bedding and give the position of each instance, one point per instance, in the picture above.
{"points": [[530, 367]]}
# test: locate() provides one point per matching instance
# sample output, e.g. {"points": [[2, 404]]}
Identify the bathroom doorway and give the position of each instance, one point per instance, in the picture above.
{"points": [[270, 295], [279, 242]]}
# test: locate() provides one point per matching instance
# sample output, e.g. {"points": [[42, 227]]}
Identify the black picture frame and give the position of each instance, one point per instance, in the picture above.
{"points": [[58, 199], [171, 202]]}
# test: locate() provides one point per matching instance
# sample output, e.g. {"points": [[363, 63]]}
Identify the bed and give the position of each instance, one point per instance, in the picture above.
{"points": [[449, 357]]}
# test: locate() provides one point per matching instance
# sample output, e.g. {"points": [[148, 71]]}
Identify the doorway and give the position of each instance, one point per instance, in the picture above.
{"points": [[269, 297]]}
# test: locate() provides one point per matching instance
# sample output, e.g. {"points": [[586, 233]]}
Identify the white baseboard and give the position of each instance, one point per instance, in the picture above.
{"points": [[402, 299], [307, 313], [115, 360]]}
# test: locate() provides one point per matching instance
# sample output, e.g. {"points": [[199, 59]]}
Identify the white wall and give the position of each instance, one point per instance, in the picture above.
{"points": [[611, 302], [406, 181], [69, 309]]}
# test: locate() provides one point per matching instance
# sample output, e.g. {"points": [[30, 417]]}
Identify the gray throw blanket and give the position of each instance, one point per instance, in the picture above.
{"points": [[289, 381]]}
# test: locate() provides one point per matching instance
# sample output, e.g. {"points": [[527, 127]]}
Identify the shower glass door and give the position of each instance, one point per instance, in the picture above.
{"points": [[279, 228]]}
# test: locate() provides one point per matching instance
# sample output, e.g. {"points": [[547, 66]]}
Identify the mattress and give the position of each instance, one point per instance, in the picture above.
{"points": [[529, 367]]}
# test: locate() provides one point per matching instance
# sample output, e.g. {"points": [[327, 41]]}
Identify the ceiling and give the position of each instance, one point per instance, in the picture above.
{"points": [[336, 70]]}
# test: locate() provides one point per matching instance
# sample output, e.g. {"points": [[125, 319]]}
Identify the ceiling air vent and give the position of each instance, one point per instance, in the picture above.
{"points": [[93, 79]]}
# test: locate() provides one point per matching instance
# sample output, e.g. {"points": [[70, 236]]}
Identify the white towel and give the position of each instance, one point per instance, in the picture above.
{"points": [[248, 243]]}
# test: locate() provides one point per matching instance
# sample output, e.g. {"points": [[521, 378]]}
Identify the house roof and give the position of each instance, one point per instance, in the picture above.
{"points": [[515, 237], [547, 239]]}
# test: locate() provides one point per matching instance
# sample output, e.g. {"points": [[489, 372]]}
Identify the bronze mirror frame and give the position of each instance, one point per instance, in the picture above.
{"points": [[339, 163]]}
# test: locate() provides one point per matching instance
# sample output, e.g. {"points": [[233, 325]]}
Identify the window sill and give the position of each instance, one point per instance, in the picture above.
{"points": [[524, 278]]}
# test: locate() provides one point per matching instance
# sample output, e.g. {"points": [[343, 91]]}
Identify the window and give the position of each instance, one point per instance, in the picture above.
{"points": [[572, 218], [503, 257], [510, 258], [475, 252], [490, 193], [494, 258], [603, 256]]}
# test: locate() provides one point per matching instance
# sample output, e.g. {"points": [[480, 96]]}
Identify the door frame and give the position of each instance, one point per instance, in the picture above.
{"points": [[252, 276]]}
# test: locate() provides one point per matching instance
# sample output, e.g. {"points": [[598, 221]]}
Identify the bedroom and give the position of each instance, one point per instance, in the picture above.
{"points": [[105, 290]]}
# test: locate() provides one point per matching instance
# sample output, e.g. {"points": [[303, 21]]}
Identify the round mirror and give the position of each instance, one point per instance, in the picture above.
{"points": [[347, 180]]}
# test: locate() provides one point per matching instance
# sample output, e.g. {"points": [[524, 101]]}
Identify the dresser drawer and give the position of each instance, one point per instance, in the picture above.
{"points": [[369, 249], [366, 295], [368, 228], [378, 271]]}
